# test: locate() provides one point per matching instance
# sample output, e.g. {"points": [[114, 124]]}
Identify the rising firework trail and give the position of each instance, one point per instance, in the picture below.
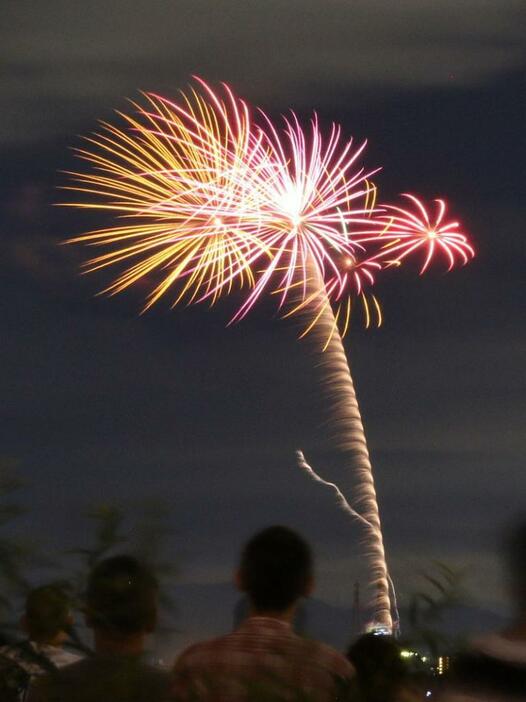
{"points": [[326, 190], [207, 200], [405, 232], [347, 437]]}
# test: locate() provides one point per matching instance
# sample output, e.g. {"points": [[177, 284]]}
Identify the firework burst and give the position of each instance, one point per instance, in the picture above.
{"points": [[314, 190], [392, 236], [206, 198], [411, 231], [180, 179]]}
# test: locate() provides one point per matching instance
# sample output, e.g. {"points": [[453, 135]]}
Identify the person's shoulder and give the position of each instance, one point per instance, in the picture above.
{"points": [[8, 652], [76, 667], [327, 657], [22, 655], [61, 657], [89, 672], [492, 665], [13, 650], [95, 665], [152, 672], [45, 686], [496, 645], [202, 649], [153, 680]]}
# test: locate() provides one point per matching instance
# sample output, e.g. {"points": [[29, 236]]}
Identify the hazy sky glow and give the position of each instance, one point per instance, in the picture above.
{"points": [[100, 403]]}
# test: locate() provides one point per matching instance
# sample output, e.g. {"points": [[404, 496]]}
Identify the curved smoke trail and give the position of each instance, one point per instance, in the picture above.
{"points": [[344, 504]]}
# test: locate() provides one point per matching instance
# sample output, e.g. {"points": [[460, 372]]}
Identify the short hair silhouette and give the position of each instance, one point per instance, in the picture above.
{"points": [[121, 597], [380, 669], [275, 569], [47, 612]]}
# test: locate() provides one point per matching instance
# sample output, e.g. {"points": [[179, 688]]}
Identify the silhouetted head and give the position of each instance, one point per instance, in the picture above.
{"points": [[121, 598], [275, 569], [516, 565], [379, 667], [47, 614]]}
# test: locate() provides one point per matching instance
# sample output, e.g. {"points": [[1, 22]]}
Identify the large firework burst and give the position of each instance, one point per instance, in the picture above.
{"points": [[208, 198]]}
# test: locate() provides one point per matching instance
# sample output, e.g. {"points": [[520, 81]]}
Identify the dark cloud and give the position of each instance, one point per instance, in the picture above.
{"points": [[61, 66]]}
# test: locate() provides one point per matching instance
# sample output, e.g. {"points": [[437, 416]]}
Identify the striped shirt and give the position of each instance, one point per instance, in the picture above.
{"points": [[262, 660]]}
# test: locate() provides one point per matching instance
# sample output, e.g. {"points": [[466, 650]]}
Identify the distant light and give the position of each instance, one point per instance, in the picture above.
{"points": [[379, 630], [443, 664]]}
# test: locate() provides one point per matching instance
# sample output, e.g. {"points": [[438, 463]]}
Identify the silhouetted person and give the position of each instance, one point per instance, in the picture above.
{"points": [[264, 659], [494, 669], [380, 670], [46, 620], [121, 609]]}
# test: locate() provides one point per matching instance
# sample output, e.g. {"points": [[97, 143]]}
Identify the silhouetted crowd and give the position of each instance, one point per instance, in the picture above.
{"points": [[262, 660]]}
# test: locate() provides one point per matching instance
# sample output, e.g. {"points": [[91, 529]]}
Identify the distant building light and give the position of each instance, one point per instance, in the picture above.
{"points": [[407, 654], [443, 664]]}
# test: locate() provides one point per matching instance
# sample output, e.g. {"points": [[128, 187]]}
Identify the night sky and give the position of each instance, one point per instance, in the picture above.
{"points": [[101, 404]]}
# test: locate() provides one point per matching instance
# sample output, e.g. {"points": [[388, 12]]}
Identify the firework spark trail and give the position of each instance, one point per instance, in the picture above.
{"points": [[349, 438], [344, 504]]}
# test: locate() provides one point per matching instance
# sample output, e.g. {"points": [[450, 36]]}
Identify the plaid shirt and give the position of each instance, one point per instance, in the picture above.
{"points": [[28, 655], [263, 660], [22, 662]]}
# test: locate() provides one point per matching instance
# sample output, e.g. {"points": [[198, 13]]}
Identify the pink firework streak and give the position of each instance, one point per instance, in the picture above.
{"points": [[410, 231], [395, 235]]}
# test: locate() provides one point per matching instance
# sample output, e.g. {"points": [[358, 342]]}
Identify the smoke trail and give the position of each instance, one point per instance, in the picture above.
{"points": [[344, 504]]}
